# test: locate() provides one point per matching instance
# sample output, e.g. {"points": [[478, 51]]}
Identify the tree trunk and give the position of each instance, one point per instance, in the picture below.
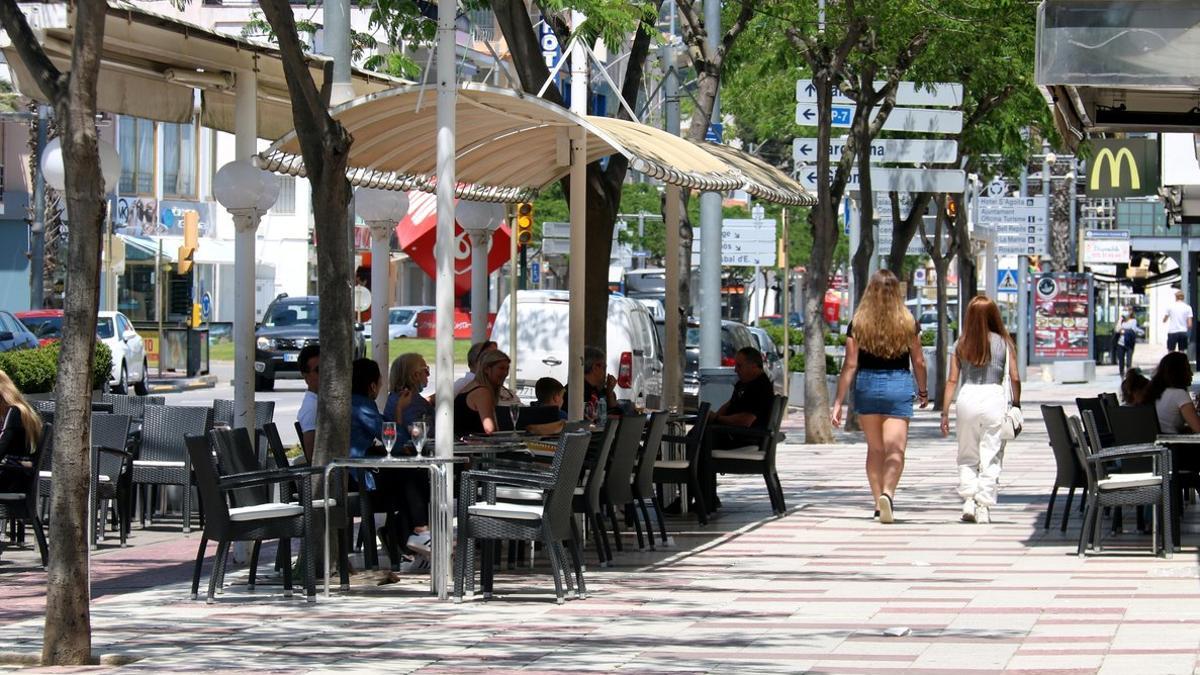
{"points": [[968, 281], [817, 425], [906, 228], [861, 265], [941, 265]]}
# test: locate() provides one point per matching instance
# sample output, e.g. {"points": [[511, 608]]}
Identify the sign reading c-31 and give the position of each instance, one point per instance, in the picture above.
{"points": [[1123, 168]]}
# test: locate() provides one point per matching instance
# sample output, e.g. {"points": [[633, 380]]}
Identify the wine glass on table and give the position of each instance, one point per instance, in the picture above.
{"points": [[514, 409], [389, 435], [417, 430]]}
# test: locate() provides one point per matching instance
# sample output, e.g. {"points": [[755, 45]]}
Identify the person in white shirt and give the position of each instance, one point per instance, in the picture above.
{"points": [[1179, 324], [310, 369], [1168, 392]]}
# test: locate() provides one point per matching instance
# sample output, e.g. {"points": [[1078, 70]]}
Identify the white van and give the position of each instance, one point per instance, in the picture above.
{"points": [[634, 354]]}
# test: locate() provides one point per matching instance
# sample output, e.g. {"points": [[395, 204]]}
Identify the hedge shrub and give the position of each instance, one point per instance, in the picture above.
{"points": [[35, 371], [832, 367]]}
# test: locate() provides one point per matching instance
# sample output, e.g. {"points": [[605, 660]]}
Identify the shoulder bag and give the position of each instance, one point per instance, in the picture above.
{"points": [[1010, 427]]}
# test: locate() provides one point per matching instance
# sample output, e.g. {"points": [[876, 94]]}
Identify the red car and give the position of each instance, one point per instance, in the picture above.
{"points": [[45, 324]]}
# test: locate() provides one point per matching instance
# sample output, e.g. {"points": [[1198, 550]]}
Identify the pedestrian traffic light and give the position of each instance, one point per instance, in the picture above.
{"points": [[191, 240], [524, 223]]}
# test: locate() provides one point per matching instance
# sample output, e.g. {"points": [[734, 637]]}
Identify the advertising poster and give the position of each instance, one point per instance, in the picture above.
{"points": [[1062, 329]]}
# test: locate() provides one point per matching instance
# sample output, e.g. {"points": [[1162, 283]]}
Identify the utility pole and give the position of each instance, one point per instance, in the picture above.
{"points": [[337, 46], [710, 228]]}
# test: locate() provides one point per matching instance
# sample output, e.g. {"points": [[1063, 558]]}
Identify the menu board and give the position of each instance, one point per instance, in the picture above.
{"points": [[1062, 318]]}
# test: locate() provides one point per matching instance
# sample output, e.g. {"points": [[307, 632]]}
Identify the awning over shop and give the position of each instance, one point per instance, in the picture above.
{"points": [[762, 180], [509, 145], [151, 63]]}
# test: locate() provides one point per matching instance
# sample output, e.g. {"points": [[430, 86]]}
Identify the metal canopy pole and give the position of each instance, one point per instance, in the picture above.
{"points": [[481, 241], [444, 253], [710, 231], [673, 368], [246, 145], [381, 233], [578, 181]]}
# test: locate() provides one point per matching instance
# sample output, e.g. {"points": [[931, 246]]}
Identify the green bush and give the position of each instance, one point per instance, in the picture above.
{"points": [[796, 364], [35, 371]]}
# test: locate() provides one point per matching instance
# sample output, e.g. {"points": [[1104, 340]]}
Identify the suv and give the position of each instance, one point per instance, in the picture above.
{"points": [[288, 325]]}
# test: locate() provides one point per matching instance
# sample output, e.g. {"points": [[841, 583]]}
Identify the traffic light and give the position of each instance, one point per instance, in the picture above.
{"points": [[524, 223], [951, 207], [191, 240]]}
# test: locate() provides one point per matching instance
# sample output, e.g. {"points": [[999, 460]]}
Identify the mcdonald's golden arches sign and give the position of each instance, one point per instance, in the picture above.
{"points": [[1123, 168]]}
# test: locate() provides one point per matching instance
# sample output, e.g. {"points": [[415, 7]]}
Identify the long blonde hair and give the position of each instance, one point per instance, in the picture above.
{"points": [[883, 326], [30, 420], [403, 372]]}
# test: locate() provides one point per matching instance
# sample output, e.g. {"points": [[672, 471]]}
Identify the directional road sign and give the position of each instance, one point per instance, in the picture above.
{"points": [[1012, 210], [883, 151], [552, 230], [741, 259], [1021, 239], [914, 120], [899, 180], [943, 95]]}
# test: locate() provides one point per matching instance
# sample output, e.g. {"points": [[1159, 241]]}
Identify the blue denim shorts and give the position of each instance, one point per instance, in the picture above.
{"points": [[884, 392]]}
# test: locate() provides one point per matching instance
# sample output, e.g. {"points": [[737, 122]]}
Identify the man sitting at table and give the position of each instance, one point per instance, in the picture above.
{"points": [[598, 385], [749, 406]]}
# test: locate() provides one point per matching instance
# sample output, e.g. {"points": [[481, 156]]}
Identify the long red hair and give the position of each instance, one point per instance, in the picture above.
{"points": [[983, 317]]}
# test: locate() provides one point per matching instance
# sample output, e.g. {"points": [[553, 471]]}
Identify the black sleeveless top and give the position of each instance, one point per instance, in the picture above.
{"points": [[466, 420]]}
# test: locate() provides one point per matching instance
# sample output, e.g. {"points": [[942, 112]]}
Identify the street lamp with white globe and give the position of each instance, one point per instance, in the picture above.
{"points": [[247, 192], [480, 220], [382, 209]]}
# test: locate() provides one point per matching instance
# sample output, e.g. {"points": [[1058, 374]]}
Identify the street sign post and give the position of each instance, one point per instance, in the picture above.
{"points": [[1019, 224], [535, 272], [744, 242], [913, 120], [883, 151], [942, 95], [896, 179], [1105, 246]]}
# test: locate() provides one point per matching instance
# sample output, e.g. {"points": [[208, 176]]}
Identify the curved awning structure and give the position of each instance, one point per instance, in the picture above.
{"points": [[762, 180], [510, 145]]}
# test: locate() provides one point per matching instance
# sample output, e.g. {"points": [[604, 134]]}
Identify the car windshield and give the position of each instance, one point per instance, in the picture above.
{"points": [[292, 313], [104, 329], [401, 316], [44, 326]]}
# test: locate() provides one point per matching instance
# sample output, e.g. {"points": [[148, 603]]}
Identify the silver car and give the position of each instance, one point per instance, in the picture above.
{"points": [[402, 321]]}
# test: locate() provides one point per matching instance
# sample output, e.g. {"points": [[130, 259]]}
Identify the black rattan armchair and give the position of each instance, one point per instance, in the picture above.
{"points": [[23, 506], [163, 458]]}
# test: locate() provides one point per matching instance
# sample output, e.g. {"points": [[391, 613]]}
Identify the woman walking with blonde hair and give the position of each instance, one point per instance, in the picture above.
{"points": [[883, 356], [981, 359]]}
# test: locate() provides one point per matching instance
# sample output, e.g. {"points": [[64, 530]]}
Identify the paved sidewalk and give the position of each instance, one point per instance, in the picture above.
{"points": [[819, 589]]}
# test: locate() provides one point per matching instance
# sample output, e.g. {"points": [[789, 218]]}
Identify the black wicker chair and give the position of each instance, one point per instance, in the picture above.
{"points": [[227, 524], [112, 479], [588, 497], [686, 471], [643, 475], [1096, 406], [23, 507], [1069, 472], [757, 457], [1108, 488], [163, 458], [550, 522], [134, 406], [618, 478]]}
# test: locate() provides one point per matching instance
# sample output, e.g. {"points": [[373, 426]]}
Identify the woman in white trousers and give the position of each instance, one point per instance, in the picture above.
{"points": [[983, 351]]}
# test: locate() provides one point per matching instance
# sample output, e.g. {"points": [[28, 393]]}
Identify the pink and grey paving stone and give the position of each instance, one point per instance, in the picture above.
{"points": [[823, 589]]}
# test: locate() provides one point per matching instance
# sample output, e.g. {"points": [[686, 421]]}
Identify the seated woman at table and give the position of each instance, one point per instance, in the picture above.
{"points": [[20, 431], [475, 407], [1168, 392], [407, 378], [393, 491], [1133, 387]]}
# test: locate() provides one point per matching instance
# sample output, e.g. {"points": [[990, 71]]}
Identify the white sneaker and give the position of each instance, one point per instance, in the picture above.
{"points": [[968, 511], [982, 515], [420, 543]]}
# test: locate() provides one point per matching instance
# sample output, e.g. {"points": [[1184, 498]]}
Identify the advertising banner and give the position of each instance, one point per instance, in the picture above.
{"points": [[1062, 318]]}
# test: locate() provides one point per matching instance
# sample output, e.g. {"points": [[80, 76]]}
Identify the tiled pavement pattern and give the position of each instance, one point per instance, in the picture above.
{"points": [[816, 590]]}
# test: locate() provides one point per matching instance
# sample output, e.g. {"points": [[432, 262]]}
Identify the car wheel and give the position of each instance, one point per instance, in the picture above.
{"points": [[142, 387], [264, 383], [123, 383]]}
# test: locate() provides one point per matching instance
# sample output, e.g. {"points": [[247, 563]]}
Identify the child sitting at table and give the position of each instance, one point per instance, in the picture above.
{"points": [[550, 392]]}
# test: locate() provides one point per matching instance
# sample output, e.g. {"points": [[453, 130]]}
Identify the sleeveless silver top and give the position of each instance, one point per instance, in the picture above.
{"points": [[991, 372]]}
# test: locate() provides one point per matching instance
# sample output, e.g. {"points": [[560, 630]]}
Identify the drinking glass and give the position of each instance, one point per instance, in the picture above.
{"points": [[515, 411], [417, 429], [389, 435], [590, 410]]}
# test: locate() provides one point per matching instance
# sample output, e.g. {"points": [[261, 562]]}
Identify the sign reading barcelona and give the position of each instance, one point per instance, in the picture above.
{"points": [[1123, 168]]}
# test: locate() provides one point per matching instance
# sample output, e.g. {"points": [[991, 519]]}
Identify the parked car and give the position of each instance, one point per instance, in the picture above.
{"points": [[734, 336], [128, 352], [794, 320], [287, 326], [14, 334], [402, 321], [646, 283], [773, 361], [633, 351], [46, 324]]}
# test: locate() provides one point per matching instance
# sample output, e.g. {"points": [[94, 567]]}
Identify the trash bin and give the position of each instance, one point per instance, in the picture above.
{"points": [[716, 385]]}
